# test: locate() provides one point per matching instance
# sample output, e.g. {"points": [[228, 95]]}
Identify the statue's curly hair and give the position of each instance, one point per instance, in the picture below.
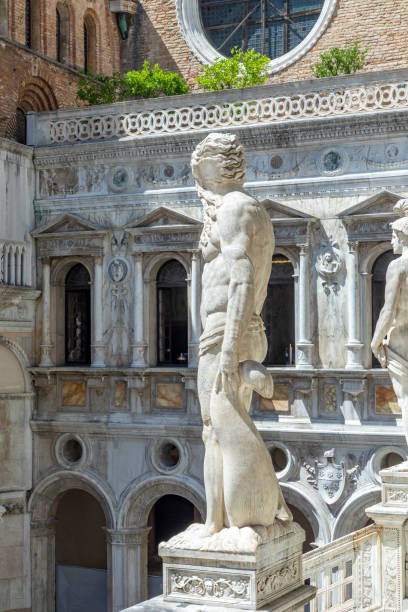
{"points": [[401, 224], [225, 148]]}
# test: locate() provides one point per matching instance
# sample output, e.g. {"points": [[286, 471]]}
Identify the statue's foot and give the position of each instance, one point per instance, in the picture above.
{"points": [[206, 530]]}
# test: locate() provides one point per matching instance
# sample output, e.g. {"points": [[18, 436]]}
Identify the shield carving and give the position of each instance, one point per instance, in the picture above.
{"points": [[330, 478]]}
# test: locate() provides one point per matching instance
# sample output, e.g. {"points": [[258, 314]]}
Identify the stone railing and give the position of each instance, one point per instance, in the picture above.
{"points": [[15, 263], [345, 572], [304, 100]]}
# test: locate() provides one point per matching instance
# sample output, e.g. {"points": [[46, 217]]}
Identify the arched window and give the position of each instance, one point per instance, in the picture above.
{"points": [[62, 33], [278, 313], [90, 53], [28, 37], [172, 316], [3, 17], [379, 272], [77, 316]]}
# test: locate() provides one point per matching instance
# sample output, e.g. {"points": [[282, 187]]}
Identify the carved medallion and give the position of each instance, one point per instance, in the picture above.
{"points": [[118, 269]]}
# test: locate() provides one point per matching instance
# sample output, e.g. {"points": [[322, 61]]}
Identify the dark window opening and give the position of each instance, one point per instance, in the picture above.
{"points": [[301, 519], [86, 49], [379, 272], [278, 313], [271, 27], [77, 316], [21, 126], [172, 318], [28, 37], [58, 35]]}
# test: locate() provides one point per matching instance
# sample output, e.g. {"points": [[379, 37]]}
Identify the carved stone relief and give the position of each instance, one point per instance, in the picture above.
{"points": [[210, 586]]}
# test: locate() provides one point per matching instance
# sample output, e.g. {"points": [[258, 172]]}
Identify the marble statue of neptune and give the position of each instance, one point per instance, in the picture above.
{"points": [[237, 245], [390, 340]]}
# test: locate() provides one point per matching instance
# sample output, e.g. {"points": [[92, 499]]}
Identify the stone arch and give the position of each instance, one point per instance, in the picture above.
{"points": [[18, 366], [370, 257], [137, 500], [311, 506], [157, 261], [352, 515], [44, 499], [37, 95], [62, 266]]}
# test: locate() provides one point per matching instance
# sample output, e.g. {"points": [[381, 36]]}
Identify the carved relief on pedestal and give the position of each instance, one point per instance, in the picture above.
{"points": [[211, 587]]}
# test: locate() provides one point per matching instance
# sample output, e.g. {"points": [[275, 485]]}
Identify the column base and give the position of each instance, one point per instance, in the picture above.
{"points": [[292, 602], [98, 360], [45, 359], [304, 353], [354, 356], [138, 355]]}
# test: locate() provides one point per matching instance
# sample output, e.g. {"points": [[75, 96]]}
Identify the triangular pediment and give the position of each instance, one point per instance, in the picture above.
{"points": [[66, 224], [276, 210], [382, 202], [162, 217]]}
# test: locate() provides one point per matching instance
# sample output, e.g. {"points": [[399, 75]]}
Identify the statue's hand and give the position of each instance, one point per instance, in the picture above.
{"points": [[227, 378], [379, 353]]}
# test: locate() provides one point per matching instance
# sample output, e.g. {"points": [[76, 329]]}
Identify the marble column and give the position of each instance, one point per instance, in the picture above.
{"points": [[139, 345], [43, 566], [98, 359], [304, 346], [195, 319], [354, 346], [46, 345], [128, 563]]}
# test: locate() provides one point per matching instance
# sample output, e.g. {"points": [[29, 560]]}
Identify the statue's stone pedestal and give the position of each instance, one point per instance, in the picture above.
{"points": [[239, 569]]}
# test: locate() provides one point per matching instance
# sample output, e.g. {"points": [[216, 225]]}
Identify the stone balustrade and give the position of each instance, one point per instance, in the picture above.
{"points": [[304, 100], [15, 258]]}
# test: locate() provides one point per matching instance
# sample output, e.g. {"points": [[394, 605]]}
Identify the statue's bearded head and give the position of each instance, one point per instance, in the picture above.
{"points": [[219, 158], [400, 226]]}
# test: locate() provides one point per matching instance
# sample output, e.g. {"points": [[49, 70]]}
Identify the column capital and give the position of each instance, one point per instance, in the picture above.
{"points": [[46, 261], [98, 259], [304, 248], [138, 256], [124, 537], [353, 246]]}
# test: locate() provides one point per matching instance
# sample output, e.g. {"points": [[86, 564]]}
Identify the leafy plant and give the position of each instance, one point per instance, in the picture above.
{"points": [[148, 83], [155, 82], [242, 69], [337, 61], [101, 89]]}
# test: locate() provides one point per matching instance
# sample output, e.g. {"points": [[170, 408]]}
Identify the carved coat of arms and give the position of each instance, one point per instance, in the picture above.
{"points": [[330, 478]]}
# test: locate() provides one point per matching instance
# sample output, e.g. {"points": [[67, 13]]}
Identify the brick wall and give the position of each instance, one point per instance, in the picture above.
{"points": [[380, 25]]}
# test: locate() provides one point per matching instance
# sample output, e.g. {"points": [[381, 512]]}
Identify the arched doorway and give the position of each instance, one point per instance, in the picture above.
{"points": [[170, 515], [379, 272], [172, 317], [80, 554], [278, 313], [77, 316]]}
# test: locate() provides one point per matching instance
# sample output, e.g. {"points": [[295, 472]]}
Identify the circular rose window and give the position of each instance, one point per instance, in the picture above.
{"points": [[284, 30]]}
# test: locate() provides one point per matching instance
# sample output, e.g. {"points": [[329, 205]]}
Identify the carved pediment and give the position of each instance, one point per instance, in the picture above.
{"points": [[378, 204], [163, 217], [276, 210], [65, 224]]}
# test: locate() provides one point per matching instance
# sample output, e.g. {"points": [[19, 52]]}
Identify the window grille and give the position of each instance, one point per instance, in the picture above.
{"points": [[271, 27]]}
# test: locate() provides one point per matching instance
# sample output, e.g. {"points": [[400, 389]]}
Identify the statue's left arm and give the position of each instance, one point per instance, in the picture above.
{"points": [[234, 227], [392, 288]]}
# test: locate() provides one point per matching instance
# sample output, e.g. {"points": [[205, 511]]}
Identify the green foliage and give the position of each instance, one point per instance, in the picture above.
{"points": [[148, 83], [155, 82], [101, 89], [340, 61], [242, 69]]}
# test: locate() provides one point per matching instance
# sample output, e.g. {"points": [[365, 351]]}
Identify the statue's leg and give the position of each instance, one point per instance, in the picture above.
{"points": [[213, 467], [400, 386]]}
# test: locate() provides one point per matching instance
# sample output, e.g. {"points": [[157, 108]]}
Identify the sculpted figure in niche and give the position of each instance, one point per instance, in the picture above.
{"points": [[237, 245], [390, 340]]}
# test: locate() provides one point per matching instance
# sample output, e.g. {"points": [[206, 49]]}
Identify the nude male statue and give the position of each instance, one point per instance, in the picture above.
{"points": [[237, 245], [390, 340]]}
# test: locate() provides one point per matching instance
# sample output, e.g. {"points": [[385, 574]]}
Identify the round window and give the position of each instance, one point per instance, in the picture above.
{"points": [[283, 30]]}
